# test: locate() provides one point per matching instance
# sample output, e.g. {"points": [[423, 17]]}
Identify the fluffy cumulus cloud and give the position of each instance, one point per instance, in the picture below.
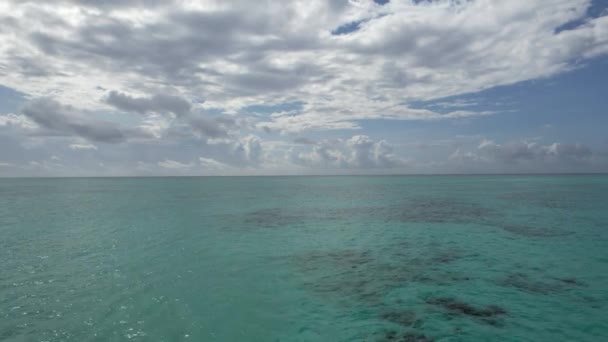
{"points": [[249, 149], [517, 154], [17, 121], [360, 151], [119, 79], [532, 151]]}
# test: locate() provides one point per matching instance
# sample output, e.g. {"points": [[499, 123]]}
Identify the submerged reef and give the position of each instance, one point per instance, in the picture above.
{"points": [[366, 277], [382, 279], [533, 231], [273, 218], [439, 210], [349, 274], [402, 317], [571, 281], [553, 200], [457, 306], [414, 210], [392, 335], [362, 278], [488, 314], [524, 282]]}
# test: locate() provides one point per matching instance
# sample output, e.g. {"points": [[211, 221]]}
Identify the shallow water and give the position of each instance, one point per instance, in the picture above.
{"points": [[413, 258]]}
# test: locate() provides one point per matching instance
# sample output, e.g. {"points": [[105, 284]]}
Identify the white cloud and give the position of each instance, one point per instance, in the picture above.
{"points": [[177, 76], [248, 149], [174, 165], [359, 151], [347, 119], [404, 50], [462, 156], [82, 147], [51, 164], [19, 121], [211, 164], [524, 151]]}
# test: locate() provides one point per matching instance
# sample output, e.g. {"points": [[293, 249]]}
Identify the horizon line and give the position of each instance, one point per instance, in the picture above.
{"points": [[326, 175]]}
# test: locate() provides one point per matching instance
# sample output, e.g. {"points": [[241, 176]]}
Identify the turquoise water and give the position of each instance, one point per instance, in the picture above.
{"points": [[437, 258]]}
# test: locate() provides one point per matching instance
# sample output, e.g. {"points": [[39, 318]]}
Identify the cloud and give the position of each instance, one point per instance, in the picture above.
{"points": [[524, 151], [279, 79], [359, 151], [369, 153], [56, 119], [304, 141], [571, 152], [79, 147], [115, 3], [347, 119], [460, 155], [212, 164], [403, 50], [170, 49], [159, 103], [18, 121], [217, 127], [174, 165], [248, 149]]}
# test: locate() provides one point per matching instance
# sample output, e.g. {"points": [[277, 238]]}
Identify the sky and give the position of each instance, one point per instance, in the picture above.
{"points": [[216, 87]]}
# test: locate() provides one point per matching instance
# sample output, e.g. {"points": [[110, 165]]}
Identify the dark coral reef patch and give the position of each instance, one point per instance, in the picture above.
{"points": [[488, 314], [392, 335], [526, 283]]}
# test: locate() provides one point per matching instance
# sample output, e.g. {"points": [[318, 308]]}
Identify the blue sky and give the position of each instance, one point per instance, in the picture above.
{"points": [[573, 104], [149, 87]]}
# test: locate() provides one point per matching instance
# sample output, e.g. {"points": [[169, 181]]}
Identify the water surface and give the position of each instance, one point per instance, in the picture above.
{"points": [[412, 258]]}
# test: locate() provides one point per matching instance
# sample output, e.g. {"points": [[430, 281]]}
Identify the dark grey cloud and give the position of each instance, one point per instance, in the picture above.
{"points": [[56, 119], [571, 151], [27, 67], [201, 125], [119, 3], [395, 76], [105, 4], [261, 77], [252, 83], [195, 37], [217, 127], [304, 141], [159, 103], [174, 49]]}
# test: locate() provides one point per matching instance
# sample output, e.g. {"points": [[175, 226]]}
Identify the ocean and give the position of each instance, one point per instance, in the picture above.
{"points": [[379, 258]]}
